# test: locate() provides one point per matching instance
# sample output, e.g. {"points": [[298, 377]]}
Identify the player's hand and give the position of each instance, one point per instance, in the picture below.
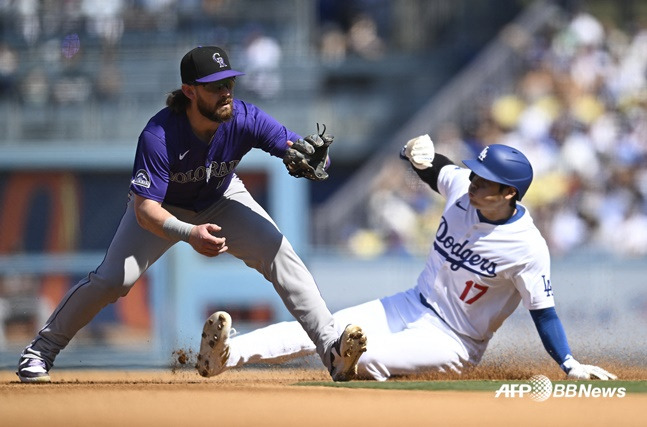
{"points": [[203, 240], [420, 151], [577, 371]]}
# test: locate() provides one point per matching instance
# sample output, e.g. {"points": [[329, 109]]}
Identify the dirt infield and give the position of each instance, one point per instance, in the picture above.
{"points": [[270, 397]]}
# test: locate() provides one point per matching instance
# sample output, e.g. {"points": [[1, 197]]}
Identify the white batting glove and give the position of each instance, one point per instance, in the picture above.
{"points": [[420, 151], [576, 371]]}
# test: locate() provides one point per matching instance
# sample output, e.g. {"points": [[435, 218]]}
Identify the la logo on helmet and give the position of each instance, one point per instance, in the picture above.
{"points": [[483, 154]]}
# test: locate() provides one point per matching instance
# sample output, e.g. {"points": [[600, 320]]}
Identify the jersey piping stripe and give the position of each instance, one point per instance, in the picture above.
{"points": [[424, 302]]}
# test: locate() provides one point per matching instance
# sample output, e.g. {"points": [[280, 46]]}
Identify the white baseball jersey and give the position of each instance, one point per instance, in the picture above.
{"points": [[477, 272]]}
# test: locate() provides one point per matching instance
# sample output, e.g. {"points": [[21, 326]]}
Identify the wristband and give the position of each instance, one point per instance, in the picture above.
{"points": [[569, 364], [176, 229]]}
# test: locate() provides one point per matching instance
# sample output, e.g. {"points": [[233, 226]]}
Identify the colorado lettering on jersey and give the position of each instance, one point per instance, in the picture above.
{"points": [[215, 169], [459, 255]]}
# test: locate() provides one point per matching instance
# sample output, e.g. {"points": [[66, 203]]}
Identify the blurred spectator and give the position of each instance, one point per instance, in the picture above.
{"points": [[401, 214], [8, 69], [213, 7], [332, 45], [73, 85], [34, 88], [587, 30], [262, 61], [60, 17], [29, 20], [352, 27], [108, 81], [363, 38], [392, 214], [104, 19], [164, 13], [567, 230]]}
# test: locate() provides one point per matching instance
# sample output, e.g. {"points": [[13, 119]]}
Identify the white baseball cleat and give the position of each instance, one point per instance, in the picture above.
{"points": [[214, 346], [346, 352]]}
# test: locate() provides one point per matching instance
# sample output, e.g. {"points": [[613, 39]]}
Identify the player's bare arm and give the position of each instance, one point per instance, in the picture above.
{"points": [[153, 217]]}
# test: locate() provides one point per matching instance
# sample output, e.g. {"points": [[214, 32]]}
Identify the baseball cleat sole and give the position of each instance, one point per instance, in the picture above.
{"points": [[40, 379], [352, 344], [214, 345]]}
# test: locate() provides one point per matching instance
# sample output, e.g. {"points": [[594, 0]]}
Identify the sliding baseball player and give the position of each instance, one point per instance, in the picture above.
{"points": [[486, 258]]}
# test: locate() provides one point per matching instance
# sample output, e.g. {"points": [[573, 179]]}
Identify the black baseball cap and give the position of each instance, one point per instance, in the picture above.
{"points": [[206, 64]]}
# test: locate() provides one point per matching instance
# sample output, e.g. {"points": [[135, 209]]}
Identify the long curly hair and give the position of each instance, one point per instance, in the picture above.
{"points": [[177, 101]]}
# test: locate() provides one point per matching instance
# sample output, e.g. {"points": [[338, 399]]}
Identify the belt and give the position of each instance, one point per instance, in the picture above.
{"points": [[424, 302]]}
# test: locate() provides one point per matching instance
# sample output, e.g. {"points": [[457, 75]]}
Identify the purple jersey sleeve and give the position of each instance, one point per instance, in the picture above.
{"points": [[269, 134], [151, 169]]}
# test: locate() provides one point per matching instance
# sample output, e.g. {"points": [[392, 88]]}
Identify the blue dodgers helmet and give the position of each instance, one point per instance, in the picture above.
{"points": [[505, 165]]}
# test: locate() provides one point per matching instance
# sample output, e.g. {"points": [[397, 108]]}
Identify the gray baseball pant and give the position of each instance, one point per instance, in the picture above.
{"points": [[252, 236]]}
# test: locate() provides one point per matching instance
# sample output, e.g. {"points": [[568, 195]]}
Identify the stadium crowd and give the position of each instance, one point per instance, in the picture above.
{"points": [[579, 112]]}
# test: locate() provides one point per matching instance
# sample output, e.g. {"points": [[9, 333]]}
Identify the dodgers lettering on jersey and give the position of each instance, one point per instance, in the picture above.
{"points": [[478, 272], [174, 166]]}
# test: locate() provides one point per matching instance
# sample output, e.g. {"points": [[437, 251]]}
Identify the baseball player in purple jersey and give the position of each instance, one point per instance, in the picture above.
{"points": [[487, 256], [184, 187]]}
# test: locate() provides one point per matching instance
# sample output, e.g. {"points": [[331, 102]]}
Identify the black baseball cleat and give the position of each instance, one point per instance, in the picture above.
{"points": [[346, 352], [33, 370]]}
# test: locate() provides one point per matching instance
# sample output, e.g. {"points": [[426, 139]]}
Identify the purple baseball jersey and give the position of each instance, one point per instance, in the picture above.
{"points": [[173, 166]]}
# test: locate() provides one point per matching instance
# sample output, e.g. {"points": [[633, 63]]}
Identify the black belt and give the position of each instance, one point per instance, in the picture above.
{"points": [[424, 302]]}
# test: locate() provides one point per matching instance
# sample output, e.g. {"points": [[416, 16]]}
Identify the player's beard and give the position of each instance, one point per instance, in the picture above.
{"points": [[222, 112]]}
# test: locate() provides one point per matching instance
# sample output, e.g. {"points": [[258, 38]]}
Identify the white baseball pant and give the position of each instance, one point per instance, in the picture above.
{"points": [[404, 337]]}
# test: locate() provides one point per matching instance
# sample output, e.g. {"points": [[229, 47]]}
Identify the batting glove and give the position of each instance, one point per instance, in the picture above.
{"points": [[420, 151], [576, 371]]}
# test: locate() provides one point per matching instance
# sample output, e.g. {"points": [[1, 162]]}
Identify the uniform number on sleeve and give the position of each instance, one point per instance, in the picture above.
{"points": [[469, 285]]}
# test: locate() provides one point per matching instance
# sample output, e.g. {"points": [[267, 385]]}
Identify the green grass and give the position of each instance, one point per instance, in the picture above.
{"points": [[468, 385]]}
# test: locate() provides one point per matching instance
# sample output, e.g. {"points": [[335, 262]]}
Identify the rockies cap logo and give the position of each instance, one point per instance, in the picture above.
{"points": [[217, 58]]}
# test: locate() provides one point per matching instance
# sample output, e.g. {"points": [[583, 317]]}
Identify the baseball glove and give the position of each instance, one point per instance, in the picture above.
{"points": [[307, 157]]}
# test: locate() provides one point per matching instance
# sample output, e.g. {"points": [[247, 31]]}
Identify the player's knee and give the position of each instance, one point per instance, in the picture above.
{"points": [[264, 253], [112, 286], [267, 244]]}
